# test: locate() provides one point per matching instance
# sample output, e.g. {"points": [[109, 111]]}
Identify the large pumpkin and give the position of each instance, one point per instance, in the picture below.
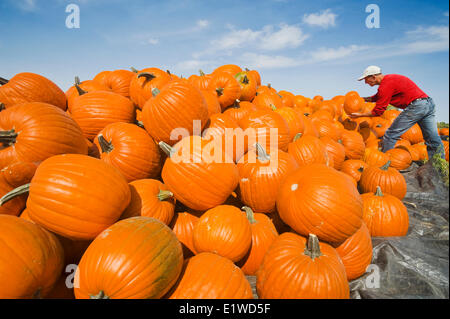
{"points": [[389, 179], [384, 214], [210, 276], [150, 198], [136, 258], [260, 175], [263, 235], [77, 196], [130, 149], [144, 81], [32, 259], [356, 253], [95, 110], [298, 268], [224, 230], [320, 200], [176, 107], [30, 87], [32, 132], [118, 81], [226, 87], [307, 149], [197, 177]]}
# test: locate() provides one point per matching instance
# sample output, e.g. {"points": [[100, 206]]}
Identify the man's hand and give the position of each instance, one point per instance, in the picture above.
{"points": [[355, 115]]}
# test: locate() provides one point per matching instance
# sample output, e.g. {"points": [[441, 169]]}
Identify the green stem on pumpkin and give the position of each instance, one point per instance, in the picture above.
{"points": [[250, 214], [166, 148], [261, 153], [134, 70], [201, 72], [379, 192], [163, 195], [236, 104], [100, 295], [106, 146], [312, 248], [273, 107], [8, 137], [386, 166], [2, 106], [77, 86], [14, 193], [297, 136]]}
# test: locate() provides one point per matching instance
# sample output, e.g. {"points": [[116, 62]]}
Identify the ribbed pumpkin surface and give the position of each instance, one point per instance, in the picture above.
{"points": [[288, 273], [210, 276], [136, 258], [77, 196], [32, 259]]}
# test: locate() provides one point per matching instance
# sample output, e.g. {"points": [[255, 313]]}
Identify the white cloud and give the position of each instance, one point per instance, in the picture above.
{"points": [[153, 41], [327, 54], [261, 61], [287, 37], [202, 23], [324, 19], [269, 38], [446, 13]]}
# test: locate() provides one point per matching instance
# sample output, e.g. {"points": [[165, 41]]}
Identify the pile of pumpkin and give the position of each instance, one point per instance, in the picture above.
{"points": [[88, 177]]}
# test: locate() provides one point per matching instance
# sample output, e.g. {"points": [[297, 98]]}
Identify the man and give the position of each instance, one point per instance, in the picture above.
{"points": [[401, 92]]}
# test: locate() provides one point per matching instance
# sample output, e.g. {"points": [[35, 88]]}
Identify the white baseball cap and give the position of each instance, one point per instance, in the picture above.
{"points": [[370, 70]]}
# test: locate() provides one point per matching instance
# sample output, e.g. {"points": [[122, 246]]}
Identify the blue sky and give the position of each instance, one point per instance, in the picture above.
{"points": [[306, 47]]}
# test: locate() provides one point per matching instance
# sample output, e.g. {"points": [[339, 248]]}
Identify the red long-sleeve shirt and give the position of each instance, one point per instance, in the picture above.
{"points": [[397, 90]]}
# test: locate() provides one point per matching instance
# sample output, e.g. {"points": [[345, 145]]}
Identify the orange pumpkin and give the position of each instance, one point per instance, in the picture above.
{"points": [[223, 278], [260, 175], [90, 195], [30, 87], [197, 181], [356, 252], [320, 200], [183, 226], [32, 259], [136, 258], [150, 198], [32, 132], [175, 107], [143, 83], [224, 230], [226, 87], [298, 268], [130, 149], [389, 179], [263, 235], [384, 214]]}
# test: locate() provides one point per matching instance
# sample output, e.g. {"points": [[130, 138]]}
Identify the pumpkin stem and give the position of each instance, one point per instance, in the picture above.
{"points": [[100, 295], [3, 81], [14, 193], [273, 107], [297, 136], [134, 70], [147, 76], [219, 91], [250, 214], [163, 195], [245, 79], [379, 192], [361, 169], [2, 106], [155, 92], [386, 166], [201, 72], [77, 86], [139, 123], [261, 153], [106, 146], [312, 248], [166, 148], [236, 104], [8, 138], [269, 85]]}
